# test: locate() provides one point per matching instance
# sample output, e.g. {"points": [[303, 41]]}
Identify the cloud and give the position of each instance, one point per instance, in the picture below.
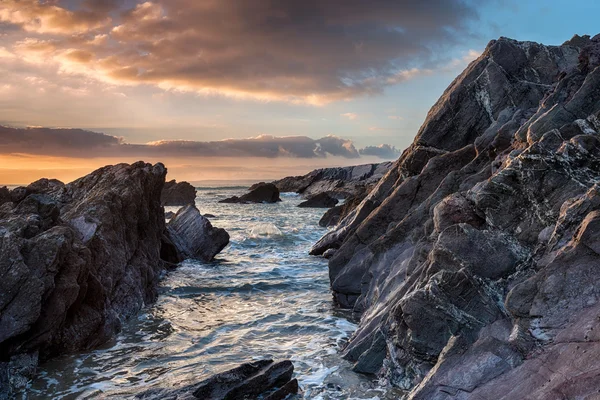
{"points": [[384, 151], [350, 116], [309, 51], [77, 143], [395, 117]]}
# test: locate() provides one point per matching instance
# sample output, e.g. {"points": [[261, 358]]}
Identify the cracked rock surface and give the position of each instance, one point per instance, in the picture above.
{"points": [[75, 261], [475, 261]]}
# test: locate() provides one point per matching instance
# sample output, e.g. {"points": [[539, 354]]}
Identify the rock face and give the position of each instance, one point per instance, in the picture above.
{"points": [[177, 194], [338, 213], [259, 193], [194, 236], [474, 260], [75, 261], [338, 182], [260, 379], [321, 200]]}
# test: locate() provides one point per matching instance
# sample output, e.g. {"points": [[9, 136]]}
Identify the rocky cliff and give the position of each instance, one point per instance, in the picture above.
{"points": [[474, 261], [75, 261], [177, 194]]}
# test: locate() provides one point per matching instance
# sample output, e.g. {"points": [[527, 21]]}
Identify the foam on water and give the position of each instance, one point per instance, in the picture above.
{"points": [[263, 297]]}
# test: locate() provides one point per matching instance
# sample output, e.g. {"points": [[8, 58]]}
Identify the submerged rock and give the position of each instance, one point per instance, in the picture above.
{"points": [[194, 236], [474, 259], [265, 379], [321, 200], [178, 194], [261, 193], [78, 259]]}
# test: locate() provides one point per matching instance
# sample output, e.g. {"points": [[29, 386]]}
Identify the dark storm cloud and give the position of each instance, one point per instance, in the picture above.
{"points": [[384, 151], [311, 51], [79, 143]]}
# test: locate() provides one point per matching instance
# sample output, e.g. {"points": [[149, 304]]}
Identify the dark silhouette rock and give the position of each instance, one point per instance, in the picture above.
{"points": [[194, 236], [178, 194], [4, 195], [169, 214], [321, 200], [262, 193], [259, 379], [473, 261], [76, 260]]}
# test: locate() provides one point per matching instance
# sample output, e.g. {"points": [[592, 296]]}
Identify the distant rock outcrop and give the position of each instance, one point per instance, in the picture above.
{"points": [[260, 193], [194, 236], [321, 200], [338, 182], [75, 261], [474, 261], [263, 379], [178, 194]]}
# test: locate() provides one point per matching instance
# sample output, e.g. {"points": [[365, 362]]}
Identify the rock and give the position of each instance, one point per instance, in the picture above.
{"points": [[169, 214], [321, 200], [178, 194], [78, 259], [262, 193], [474, 258], [210, 216], [259, 379], [337, 213], [194, 236], [340, 181], [4, 195]]}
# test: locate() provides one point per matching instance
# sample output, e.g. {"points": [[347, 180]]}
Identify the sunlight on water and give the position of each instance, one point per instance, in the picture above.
{"points": [[262, 297]]}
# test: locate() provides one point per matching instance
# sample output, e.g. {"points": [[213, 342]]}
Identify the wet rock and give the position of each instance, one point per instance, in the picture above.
{"points": [[474, 258], [178, 194], [265, 378], [321, 200], [262, 193], [78, 259], [194, 236]]}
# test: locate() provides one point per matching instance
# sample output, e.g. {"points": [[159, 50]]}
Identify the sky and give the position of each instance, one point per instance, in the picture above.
{"points": [[239, 89]]}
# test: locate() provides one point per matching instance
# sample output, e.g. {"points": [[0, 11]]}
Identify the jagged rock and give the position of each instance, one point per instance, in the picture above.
{"points": [[475, 256], [194, 236], [77, 259], [169, 214], [321, 200], [337, 213], [178, 194], [340, 181], [248, 381], [262, 193]]}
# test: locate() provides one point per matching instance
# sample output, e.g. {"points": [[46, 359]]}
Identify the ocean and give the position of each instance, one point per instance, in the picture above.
{"points": [[263, 297]]}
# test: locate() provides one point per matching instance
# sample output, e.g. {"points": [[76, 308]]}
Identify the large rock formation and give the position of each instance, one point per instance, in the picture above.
{"points": [[262, 379], [474, 261], [259, 193], [194, 236], [178, 194], [338, 182], [75, 261]]}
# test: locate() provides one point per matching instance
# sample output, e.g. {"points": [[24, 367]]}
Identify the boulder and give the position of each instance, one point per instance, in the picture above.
{"points": [[473, 261], [260, 379], [76, 261], [262, 193], [321, 200], [194, 236], [178, 194]]}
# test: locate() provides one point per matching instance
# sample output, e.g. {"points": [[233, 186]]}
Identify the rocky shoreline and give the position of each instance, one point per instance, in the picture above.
{"points": [[473, 262], [79, 259]]}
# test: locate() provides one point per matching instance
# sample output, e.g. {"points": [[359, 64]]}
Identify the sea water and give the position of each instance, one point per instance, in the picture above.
{"points": [[262, 297]]}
